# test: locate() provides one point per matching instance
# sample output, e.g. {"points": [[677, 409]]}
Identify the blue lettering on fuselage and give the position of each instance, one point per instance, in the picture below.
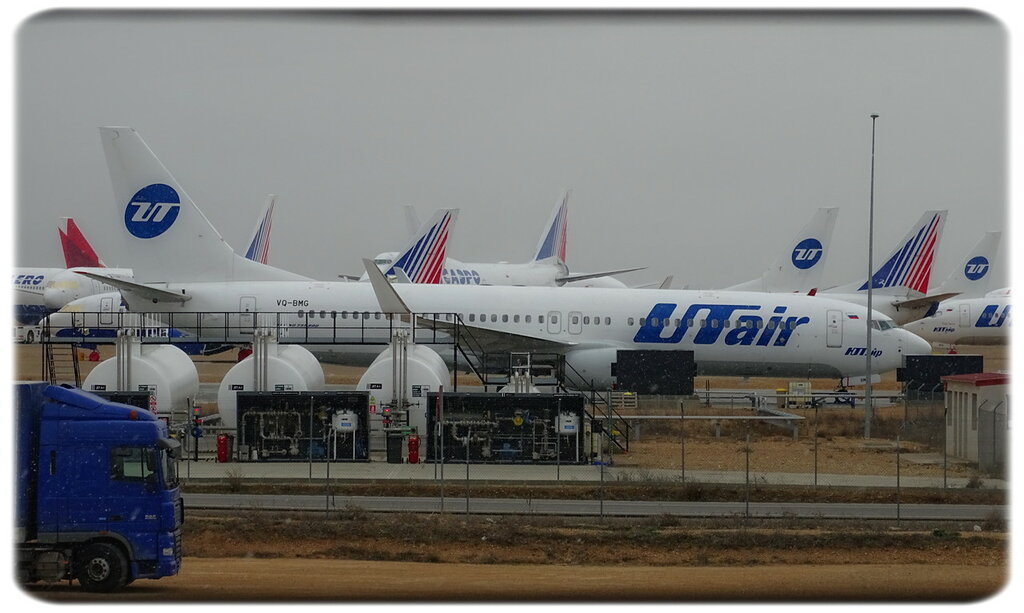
{"points": [[28, 279], [989, 319], [460, 276], [749, 329]]}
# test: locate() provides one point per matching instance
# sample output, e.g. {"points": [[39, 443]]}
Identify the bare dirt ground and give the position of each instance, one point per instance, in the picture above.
{"points": [[300, 580]]}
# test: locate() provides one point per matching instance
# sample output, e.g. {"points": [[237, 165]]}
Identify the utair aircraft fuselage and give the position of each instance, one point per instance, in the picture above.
{"points": [[187, 275], [730, 333]]}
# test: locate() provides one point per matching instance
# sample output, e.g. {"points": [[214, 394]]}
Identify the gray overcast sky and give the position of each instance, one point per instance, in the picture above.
{"points": [[695, 144]]}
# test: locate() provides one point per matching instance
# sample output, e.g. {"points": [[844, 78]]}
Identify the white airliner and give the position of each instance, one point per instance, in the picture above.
{"points": [[900, 284], [799, 267], [548, 267], [974, 317], [738, 333]]}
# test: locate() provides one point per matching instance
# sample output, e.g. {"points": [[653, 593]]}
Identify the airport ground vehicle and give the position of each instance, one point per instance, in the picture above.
{"points": [[97, 496]]}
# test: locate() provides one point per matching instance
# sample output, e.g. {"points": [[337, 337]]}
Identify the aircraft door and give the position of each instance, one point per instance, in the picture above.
{"points": [[965, 315], [107, 311], [575, 322], [246, 308], [554, 322], [834, 329]]}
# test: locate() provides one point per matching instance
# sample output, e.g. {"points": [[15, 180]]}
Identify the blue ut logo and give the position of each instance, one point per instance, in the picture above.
{"points": [[807, 253], [152, 211], [992, 318], [976, 268]]}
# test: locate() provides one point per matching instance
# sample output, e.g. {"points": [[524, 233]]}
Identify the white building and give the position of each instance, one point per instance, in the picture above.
{"points": [[978, 419]]}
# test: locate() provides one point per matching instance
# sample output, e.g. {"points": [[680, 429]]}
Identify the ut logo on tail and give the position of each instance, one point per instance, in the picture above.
{"points": [[152, 211], [976, 268], [807, 253]]}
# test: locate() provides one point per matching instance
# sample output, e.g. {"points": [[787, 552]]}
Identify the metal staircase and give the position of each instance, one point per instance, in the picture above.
{"points": [[60, 364]]}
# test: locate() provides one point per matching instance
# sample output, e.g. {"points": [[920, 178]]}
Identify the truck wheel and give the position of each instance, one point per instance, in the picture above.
{"points": [[101, 567], [30, 337]]}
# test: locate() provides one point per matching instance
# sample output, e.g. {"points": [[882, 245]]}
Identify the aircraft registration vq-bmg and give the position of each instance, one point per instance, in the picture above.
{"points": [[183, 267]]}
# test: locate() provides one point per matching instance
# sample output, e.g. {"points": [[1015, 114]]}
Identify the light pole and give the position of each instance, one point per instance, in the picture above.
{"points": [[868, 404]]}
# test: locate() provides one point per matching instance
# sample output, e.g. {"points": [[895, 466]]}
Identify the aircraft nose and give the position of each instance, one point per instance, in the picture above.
{"points": [[54, 297], [914, 344]]}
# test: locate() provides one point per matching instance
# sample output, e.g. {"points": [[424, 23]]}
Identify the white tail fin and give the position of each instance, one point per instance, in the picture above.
{"points": [[973, 277], [422, 260], [799, 267], [907, 269], [552, 242], [412, 220], [259, 244], [78, 253], [165, 235]]}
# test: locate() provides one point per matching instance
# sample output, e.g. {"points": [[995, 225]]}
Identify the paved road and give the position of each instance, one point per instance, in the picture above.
{"points": [[952, 512]]}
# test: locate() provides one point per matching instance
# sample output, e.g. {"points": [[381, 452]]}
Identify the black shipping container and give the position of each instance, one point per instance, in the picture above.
{"points": [[655, 372]]}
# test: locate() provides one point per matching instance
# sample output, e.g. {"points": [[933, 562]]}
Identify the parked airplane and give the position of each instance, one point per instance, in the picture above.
{"points": [[799, 268], [973, 317], [548, 267], [739, 333], [968, 321], [900, 284]]}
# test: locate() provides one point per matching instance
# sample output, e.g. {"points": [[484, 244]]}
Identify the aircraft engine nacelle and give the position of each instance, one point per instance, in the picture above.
{"points": [[592, 365]]}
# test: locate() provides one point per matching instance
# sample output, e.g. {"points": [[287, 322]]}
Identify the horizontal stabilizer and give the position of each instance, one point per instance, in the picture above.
{"points": [[924, 300], [495, 340], [594, 275], [147, 292]]}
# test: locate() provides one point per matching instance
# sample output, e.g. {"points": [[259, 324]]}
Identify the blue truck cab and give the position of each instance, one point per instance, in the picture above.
{"points": [[98, 497]]}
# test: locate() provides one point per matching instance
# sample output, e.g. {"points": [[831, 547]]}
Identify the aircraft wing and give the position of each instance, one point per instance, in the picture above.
{"points": [[922, 301], [143, 291], [489, 340], [594, 275], [493, 340]]}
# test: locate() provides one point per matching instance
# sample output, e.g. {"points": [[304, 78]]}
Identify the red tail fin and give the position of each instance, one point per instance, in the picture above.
{"points": [[77, 251]]}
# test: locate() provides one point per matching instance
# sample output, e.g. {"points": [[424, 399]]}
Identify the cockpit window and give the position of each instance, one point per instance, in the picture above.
{"points": [[882, 324], [382, 261]]}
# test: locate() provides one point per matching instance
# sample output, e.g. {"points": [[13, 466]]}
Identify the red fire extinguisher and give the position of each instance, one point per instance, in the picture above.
{"points": [[414, 449], [223, 448]]}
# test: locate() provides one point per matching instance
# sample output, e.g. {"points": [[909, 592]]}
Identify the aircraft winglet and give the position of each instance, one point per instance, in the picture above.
{"points": [[387, 297]]}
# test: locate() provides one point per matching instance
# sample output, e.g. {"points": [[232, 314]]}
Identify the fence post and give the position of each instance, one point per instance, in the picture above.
{"points": [[815, 446], [746, 487], [897, 479]]}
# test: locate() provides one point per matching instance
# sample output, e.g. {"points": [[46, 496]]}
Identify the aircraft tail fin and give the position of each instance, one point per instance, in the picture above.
{"points": [[165, 236], [800, 266], [422, 259], [412, 220], [259, 244], [552, 242], [78, 253], [972, 278], [907, 269]]}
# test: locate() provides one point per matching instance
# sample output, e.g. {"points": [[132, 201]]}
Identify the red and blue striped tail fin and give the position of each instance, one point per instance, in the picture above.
{"points": [[910, 265], [423, 259], [552, 242], [259, 246]]}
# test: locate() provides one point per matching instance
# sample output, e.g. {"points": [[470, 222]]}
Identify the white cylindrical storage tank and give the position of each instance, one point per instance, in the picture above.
{"points": [[425, 373], [163, 369], [289, 368]]}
